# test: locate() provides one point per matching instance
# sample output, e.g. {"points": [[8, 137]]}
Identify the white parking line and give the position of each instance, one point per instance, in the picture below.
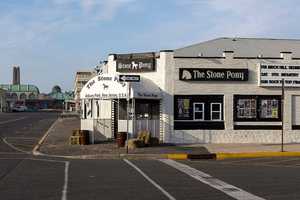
{"points": [[150, 180], [12, 120], [65, 188], [228, 189]]}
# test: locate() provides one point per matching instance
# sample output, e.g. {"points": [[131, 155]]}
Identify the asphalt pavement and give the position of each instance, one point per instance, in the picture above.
{"points": [[24, 176]]}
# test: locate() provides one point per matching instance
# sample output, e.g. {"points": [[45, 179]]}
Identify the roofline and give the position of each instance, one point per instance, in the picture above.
{"points": [[242, 38]]}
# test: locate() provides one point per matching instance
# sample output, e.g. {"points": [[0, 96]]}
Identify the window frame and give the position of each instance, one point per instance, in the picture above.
{"points": [[248, 109], [203, 111], [258, 98], [220, 111]]}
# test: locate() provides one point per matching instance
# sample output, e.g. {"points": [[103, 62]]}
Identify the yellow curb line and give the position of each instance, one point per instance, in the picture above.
{"points": [[221, 156], [177, 156]]}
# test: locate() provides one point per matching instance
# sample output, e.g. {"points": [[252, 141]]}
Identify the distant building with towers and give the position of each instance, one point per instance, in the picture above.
{"points": [[17, 93], [16, 75]]}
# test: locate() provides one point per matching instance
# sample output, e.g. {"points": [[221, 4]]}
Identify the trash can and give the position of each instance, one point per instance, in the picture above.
{"points": [[85, 137], [121, 138]]}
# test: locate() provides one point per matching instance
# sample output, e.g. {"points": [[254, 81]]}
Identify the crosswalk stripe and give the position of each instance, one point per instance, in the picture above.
{"points": [[228, 189]]}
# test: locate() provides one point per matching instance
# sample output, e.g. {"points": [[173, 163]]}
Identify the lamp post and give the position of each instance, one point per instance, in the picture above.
{"points": [[282, 112]]}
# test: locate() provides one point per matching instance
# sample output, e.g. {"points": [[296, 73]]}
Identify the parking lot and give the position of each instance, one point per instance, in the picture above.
{"points": [[24, 176]]}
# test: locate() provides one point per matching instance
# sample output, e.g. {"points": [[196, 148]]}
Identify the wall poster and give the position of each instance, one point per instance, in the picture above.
{"points": [[269, 108], [183, 108]]}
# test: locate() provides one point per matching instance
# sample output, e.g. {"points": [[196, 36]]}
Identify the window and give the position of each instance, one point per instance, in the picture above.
{"points": [[215, 111], [269, 108], [246, 108], [199, 111], [257, 107]]}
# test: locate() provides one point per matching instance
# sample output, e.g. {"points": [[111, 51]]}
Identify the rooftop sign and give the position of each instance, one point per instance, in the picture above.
{"points": [[135, 62]]}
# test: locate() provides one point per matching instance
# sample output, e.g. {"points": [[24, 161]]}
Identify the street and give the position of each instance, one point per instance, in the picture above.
{"points": [[24, 176]]}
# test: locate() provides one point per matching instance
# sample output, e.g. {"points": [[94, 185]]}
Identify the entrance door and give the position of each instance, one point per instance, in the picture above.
{"points": [[147, 116]]}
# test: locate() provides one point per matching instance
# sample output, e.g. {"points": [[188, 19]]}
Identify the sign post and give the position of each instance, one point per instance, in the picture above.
{"points": [[128, 115], [282, 112], [129, 79]]}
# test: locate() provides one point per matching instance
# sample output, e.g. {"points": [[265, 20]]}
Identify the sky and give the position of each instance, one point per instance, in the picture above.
{"points": [[51, 39]]}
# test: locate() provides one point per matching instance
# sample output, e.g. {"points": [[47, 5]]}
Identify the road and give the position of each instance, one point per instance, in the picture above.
{"points": [[23, 176]]}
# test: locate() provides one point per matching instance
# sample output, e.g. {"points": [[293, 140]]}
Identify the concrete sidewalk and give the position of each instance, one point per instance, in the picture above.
{"points": [[56, 143]]}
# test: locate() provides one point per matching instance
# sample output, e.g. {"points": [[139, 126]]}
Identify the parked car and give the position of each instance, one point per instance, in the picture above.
{"points": [[19, 109]]}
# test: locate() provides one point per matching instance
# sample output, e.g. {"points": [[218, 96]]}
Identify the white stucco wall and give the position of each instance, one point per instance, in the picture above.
{"points": [[228, 89]]}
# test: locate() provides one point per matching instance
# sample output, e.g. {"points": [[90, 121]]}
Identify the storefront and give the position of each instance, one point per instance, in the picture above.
{"points": [[226, 90], [110, 105]]}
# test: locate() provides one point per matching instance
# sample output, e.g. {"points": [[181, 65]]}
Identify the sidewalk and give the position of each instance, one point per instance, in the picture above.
{"points": [[57, 143]]}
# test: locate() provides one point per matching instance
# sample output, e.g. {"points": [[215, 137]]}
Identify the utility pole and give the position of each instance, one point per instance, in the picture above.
{"points": [[128, 115], [282, 112]]}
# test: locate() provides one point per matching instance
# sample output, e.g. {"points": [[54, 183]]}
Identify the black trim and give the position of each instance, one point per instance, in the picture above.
{"points": [[235, 57], [228, 51], [166, 50], [257, 127], [295, 127], [285, 52], [209, 57], [202, 156], [212, 125]]}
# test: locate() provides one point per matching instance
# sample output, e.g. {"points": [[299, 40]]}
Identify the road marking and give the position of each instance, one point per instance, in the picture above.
{"points": [[12, 120], [66, 177], [65, 188], [228, 189], [13, 147], [150, 180], [12, 153], [35, 150]]}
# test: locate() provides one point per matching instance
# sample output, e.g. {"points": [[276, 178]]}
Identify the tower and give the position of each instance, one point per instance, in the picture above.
{"points": [[16, 75]]}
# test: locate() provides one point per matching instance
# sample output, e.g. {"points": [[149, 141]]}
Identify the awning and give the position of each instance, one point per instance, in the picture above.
{"points": [[109, 87]]}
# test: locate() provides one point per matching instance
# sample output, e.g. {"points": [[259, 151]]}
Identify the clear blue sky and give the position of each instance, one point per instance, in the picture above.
{"points": [[51, 39]]}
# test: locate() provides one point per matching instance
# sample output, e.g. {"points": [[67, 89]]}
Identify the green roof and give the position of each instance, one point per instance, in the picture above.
{"points": [[20, 88], [61, 96]]}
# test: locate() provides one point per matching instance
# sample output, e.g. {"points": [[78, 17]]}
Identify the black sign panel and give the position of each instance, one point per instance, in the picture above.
{"points": [[136, 62], [136, 65], [129, 78], [213, 74]]}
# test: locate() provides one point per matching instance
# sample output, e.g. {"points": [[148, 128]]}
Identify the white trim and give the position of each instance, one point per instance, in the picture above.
{"points": [[203, 109], [220, 111], [191, 120], [258, 123]]}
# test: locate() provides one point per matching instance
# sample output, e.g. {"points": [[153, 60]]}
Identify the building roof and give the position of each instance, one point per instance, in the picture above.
{"points": [[20, 88], [242, 47], [61, 95]]}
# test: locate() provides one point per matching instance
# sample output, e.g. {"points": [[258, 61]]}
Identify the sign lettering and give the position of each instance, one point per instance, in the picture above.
{"points": [[213, 74]]}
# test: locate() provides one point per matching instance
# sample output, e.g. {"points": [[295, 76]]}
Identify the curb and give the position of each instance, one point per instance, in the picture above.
{"points": [[222, 156], [35, 150]]}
